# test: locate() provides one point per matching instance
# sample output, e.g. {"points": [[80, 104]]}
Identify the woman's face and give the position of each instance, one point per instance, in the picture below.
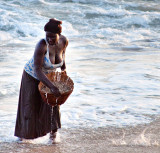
{"points": [[52, 38]]}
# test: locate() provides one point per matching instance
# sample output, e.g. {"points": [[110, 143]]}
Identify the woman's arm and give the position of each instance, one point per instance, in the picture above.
{"points": [[39, 53], [63, 68]]}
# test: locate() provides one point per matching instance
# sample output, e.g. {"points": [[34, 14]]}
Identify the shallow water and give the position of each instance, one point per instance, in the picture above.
{"points": [[112, 57], [141, 138]]}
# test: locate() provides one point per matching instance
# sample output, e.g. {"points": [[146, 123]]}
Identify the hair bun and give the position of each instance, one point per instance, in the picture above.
{"points": [[53, 26], [54, 20]]}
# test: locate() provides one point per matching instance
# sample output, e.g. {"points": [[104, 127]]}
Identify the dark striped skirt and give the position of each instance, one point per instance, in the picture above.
{"points": [[35, 118]]}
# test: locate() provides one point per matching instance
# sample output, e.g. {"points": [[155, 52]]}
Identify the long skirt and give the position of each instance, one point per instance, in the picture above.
{"points": [[35, 118]]}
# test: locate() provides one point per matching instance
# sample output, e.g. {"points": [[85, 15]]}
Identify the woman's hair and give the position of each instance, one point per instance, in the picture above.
{"points": [[53, 26]]}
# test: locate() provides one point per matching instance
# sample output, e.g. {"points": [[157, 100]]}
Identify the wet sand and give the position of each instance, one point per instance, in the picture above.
{"points": [[138, 139]]}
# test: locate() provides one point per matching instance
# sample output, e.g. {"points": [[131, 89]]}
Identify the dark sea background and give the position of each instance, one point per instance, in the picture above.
{"points": [[113, 57]]}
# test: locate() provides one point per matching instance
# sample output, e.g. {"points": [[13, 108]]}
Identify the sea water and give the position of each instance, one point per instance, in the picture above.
{"points": [[112, 57]]}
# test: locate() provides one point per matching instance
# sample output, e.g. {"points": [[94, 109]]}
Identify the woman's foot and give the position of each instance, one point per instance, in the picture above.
{"points": [[53, 136]]}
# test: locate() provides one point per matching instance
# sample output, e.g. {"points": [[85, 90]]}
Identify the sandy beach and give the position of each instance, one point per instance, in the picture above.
{"points": [[138, 139]]}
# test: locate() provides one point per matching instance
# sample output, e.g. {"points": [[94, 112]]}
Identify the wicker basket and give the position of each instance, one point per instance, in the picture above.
{"points": [[58, 78]]}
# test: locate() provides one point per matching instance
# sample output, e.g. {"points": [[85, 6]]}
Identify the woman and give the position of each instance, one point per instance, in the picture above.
{"points": [[34, 117]]}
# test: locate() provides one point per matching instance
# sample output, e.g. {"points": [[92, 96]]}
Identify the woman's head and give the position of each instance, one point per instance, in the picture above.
{"points": [[53, 26], [52, 38], [53, 29]]}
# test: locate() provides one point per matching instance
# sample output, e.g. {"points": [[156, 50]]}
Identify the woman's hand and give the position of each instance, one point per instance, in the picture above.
{"points": [[56, 92], [64, 72]]}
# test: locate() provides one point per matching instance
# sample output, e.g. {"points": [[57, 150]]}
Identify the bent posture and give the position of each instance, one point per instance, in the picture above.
{"points": [[35, 118]]}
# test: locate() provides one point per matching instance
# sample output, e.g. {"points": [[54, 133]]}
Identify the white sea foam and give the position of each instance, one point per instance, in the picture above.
{"points": [[5, 37], [112, 57], [45, 2], [143, 139], [69, 30]]}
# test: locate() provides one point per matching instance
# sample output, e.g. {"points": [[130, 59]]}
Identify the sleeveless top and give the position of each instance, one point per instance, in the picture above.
{"points": [[46, 67]]}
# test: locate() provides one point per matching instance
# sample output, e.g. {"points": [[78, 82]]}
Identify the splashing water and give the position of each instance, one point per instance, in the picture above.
{"points": [[145, 141], [52, 107], [142, 139], [58, 77], [120, 141], [66, 82], [54, 77]]}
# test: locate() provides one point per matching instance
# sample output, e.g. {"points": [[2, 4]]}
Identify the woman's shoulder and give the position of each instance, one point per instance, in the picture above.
{"points": [[41, 45], [64, 39], [42, 42]]}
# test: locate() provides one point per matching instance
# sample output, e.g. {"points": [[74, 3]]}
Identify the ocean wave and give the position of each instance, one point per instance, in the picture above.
{"points": [[111, 46]]}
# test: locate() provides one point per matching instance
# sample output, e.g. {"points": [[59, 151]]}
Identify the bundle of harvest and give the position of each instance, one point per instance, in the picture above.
{"points": [[63, 82]]}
